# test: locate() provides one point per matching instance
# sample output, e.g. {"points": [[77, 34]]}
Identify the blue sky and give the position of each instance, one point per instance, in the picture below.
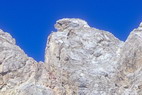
{"points": [[31, 21]]}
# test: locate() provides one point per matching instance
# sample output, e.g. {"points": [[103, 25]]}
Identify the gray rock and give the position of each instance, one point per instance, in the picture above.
{"points": [[129, 75], [83, 59], [79, 60], [19, 74]]}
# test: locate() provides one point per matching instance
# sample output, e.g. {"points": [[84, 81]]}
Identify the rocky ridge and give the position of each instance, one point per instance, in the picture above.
{"points": [[79, 60]]}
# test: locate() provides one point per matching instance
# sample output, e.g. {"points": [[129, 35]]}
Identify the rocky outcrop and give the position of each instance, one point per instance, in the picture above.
{"points": [[20, 74], [83, 59], [79, 60], [129, 75]]}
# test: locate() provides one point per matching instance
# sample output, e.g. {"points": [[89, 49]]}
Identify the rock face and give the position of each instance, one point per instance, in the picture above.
{"points": [[82, 59], [129, 75], [20, 74], [79, 60]]}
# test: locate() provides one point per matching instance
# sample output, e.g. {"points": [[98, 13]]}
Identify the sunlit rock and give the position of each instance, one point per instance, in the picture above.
{"points": [[79, 60]]}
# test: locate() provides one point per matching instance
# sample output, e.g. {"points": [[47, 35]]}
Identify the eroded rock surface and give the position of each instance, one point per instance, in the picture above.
{"points": [[129, 76], [20, 74], [79, 60], [82, 58]]}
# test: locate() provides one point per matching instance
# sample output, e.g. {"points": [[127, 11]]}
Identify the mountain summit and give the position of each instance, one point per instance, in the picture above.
{"points": [[79, 60]]}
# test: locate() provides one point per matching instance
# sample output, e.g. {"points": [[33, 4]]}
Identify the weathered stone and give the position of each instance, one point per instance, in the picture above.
{"points": [[129, 76], [82, 59], [19, 74], [79, 60]]}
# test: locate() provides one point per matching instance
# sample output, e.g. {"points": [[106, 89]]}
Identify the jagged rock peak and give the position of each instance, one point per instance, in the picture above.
{"points": [[70, 23], [140, 26], [136, 33], [4, 36], [130, 68], [20, 74], [80, 57], [79, 60]]}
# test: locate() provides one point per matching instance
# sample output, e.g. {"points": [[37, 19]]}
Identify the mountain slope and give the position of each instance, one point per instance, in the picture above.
{"points": [[79, 60]]}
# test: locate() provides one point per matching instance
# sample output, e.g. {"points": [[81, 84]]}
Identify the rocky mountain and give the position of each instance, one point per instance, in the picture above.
{"points": [[79, 60]]}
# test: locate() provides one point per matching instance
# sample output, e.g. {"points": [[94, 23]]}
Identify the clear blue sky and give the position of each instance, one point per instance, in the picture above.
{"points": [[31, 21]]}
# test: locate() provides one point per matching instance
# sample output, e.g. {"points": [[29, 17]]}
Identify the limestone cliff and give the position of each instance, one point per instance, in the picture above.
{"points": [[79, 60]]}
